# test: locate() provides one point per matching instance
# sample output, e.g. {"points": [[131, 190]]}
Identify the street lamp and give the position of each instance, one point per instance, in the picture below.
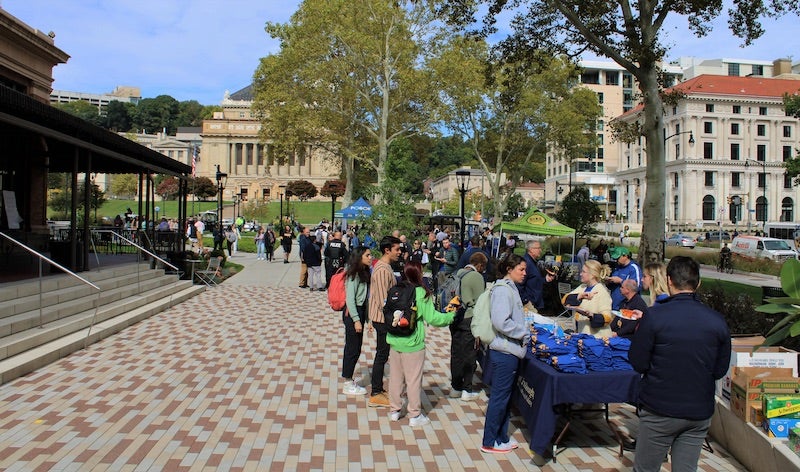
{"points": [[222, 179], [462, 179], [763, 165], [664, 237], [281, 192], [559, 191]]}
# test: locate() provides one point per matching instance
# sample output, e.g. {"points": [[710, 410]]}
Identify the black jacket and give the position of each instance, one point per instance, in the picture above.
{"points": [[335, 254], [680, 348]]}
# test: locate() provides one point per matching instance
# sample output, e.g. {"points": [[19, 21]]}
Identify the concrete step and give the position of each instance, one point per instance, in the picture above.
{"points": [[66, 343]]}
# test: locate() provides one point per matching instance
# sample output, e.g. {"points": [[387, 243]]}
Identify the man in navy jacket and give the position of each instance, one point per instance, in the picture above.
{"points": [[681, 347], [530, 291]]}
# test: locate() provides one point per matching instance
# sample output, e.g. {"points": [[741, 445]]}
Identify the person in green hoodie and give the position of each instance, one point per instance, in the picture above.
{"points": [[407, 353]]}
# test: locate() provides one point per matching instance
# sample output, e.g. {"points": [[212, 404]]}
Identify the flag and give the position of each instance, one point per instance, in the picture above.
{"points": [[195, 152]]}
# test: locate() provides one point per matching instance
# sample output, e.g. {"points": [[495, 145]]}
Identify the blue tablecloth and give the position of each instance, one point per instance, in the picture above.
{"points": [[540, 388]]}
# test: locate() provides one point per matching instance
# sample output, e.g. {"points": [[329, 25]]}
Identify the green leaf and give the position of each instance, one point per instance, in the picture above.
{"points": [[777, 308], [794, 330], [775, 337], [783, 300], [790, 278], [783, 322]]}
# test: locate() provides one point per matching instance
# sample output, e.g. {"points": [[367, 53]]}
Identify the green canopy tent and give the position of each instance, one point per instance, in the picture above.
{"points": [[536, 222]]}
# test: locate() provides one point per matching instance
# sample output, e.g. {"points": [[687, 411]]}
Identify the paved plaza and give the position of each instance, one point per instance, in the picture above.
{"points": [[246, 377]]}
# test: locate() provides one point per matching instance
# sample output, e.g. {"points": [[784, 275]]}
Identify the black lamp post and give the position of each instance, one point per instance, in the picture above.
{"points": [[559, 191], [664, 237], [222, 178], [763, 165], [281, 192], [462, 179]]}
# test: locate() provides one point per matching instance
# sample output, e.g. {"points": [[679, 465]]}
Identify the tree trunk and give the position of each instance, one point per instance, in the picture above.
{"points": [[653, 211]]}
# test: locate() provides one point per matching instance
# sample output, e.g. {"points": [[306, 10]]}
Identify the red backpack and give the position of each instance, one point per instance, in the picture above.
{"points": [[337, 295]]}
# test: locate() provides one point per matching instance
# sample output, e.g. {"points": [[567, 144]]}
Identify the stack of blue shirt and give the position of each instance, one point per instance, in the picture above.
{"points": [[569, 363], [596, 353], [619, 348], [546, 345]]}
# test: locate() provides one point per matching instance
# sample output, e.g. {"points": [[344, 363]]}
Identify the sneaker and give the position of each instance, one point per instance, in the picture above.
{"points": [[497, 448], [469, 396], [420, 420], [379, 400], [455, 393], [395, 415], [352, 388], [511, 442]]}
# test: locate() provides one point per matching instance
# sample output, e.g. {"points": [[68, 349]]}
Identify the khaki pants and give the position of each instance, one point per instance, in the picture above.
{"points": [[303, 274], [406, 371]]}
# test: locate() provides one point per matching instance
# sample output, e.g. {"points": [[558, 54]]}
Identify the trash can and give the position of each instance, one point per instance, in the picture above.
{"points": [[771, 292]]}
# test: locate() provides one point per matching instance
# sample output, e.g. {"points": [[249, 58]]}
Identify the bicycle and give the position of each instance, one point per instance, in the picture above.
{"points": [[725, 264]]}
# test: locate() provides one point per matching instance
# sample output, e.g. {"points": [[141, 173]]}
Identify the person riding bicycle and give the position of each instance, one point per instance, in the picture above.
{"points": [[724, 256]]}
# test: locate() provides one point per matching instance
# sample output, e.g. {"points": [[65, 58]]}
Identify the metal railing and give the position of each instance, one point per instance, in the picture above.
{"points": [[140, 250], [43, 258]]}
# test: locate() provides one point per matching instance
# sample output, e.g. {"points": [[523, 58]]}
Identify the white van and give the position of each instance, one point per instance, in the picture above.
{"points": [[755, 247]]}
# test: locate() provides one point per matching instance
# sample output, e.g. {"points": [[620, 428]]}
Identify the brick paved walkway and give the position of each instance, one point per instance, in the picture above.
{"points": [[246, 377]]}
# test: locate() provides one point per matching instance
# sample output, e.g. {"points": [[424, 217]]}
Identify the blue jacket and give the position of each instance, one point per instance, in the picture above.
{"points": [[531, 289], [680, 348], [630, 271]]}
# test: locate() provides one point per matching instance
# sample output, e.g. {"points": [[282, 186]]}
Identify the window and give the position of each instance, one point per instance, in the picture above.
{"points": [[171, 154], [709, 178], [708, 150], [709, 108], [737, 109], [675, 180], [640, 159], [787, 181], [249, 154], [787, 131], [761, 152], [675, 207], [787, 209], [733, 69], [674, 110], [762, 111], [734, 128], [762, 180], [787, 153], [600, 125], [761, 209], [758, 70], [238, 153], [599, 139], [612, 77], [735, 151], [708, 127], [761, 130], [590, 77], [736, 179], [600, 97], [708, 208]]}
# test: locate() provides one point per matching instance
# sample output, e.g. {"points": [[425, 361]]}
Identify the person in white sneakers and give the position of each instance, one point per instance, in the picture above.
{"points": [[355, 312]]}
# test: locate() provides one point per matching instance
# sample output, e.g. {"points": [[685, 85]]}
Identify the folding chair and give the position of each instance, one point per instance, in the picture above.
{"points": [[209, 273], [565, 319]]}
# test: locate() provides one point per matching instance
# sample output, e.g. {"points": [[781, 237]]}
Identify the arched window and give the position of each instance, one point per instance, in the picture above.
{"points": [[709, 208], [761, 209], [787, 209], [675, 212]]}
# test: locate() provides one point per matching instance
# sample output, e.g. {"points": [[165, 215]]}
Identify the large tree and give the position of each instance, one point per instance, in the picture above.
{"points": [[510, 112], [347, 73], [156, 114], [630, 33]]}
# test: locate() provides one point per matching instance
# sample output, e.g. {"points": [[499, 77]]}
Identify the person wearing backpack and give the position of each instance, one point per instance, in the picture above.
{"points": [[505, 352], [407, 353], [462, 343], [354, 316]]}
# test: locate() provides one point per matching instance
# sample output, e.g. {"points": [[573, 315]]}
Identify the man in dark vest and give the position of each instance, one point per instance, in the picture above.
{"points": [[335, 256]]}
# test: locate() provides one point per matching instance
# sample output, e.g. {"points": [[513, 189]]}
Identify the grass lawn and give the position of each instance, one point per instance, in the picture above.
{"points": [[732, 288]]}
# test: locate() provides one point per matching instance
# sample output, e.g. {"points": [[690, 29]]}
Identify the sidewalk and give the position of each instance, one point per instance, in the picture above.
{"points": [[246, 377]]}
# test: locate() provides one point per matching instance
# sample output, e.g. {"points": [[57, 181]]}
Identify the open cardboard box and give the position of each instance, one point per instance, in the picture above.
{"points": [[749, 384], [742, 355]]}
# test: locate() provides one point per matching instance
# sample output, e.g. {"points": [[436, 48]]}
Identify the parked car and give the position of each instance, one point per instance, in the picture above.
{"points": [[680, 240], [712, 236]]}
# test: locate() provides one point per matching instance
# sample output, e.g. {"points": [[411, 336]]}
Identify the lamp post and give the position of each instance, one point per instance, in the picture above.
{"points": [[664, 237], [763, 165], [333, 211], [462, 179], [222, 178], [280, 193]]}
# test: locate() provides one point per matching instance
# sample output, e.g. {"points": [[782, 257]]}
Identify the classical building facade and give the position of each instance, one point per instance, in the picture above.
{"points": [[741, 137], [231, 141]]}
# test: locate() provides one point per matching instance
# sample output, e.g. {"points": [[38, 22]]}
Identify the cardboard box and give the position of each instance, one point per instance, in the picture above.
{"points": [[785, 406], [742, 355], [756, 415], [751, 383], [779, 427]]}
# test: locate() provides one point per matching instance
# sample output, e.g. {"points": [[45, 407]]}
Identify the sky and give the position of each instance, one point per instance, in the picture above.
{"points": [[198, 49]]}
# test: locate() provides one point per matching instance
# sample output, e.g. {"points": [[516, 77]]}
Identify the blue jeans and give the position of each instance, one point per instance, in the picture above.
{"points": [[260, 250], [498, 412], [658, 433]]}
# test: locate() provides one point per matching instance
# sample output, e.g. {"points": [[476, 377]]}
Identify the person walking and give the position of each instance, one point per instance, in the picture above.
{"points": [[381, 281], [505, 351], [462, 344], [286, 243], [232, 239], [269, 243], [407, 353], [312, 257], [354, 315], [303, 240], [259, 240], [679, 367]]}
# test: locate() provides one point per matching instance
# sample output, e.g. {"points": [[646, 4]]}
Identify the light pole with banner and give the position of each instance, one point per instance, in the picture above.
{"points": [[462, 179]]}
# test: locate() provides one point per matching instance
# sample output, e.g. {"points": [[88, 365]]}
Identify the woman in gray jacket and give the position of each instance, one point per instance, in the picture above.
{"points": [[507, 348]]}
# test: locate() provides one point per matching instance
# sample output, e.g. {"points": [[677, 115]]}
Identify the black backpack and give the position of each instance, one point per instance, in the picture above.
{"points": [[402, 298]]}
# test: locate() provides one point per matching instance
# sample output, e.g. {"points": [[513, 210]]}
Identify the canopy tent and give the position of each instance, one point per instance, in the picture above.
{"points": [[536, 222], [359, 208]]}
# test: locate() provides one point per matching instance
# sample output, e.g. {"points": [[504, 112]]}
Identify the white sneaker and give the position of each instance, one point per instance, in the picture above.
{"points": [[469, 396], [420, 420], [395, 415], [352, 388]]}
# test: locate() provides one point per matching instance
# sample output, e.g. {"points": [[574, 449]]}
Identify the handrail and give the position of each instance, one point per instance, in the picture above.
{"points": [[154, 256], [42, 257]]}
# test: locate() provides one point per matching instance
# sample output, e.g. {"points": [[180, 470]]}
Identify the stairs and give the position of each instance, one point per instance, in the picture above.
{"points": [[129, 293]]}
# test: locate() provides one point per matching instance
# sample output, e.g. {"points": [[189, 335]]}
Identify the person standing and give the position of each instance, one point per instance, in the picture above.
{"points": [[448, 260], [654, 279], [303, 240], [259, 240], [335, 256], [462, 344], [583, 255], [531, 289], [200, 227], [593, 300], [626, 269], [312, 258], [433, 248], [269, 243], [507, 348], [381, 281], [679, 367], [407, 354], [354, 315], [286, 243]]}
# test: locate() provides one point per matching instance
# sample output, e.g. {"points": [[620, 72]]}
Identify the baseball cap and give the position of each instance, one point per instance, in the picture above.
{"points": [[618, 252], [442, 235]]}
